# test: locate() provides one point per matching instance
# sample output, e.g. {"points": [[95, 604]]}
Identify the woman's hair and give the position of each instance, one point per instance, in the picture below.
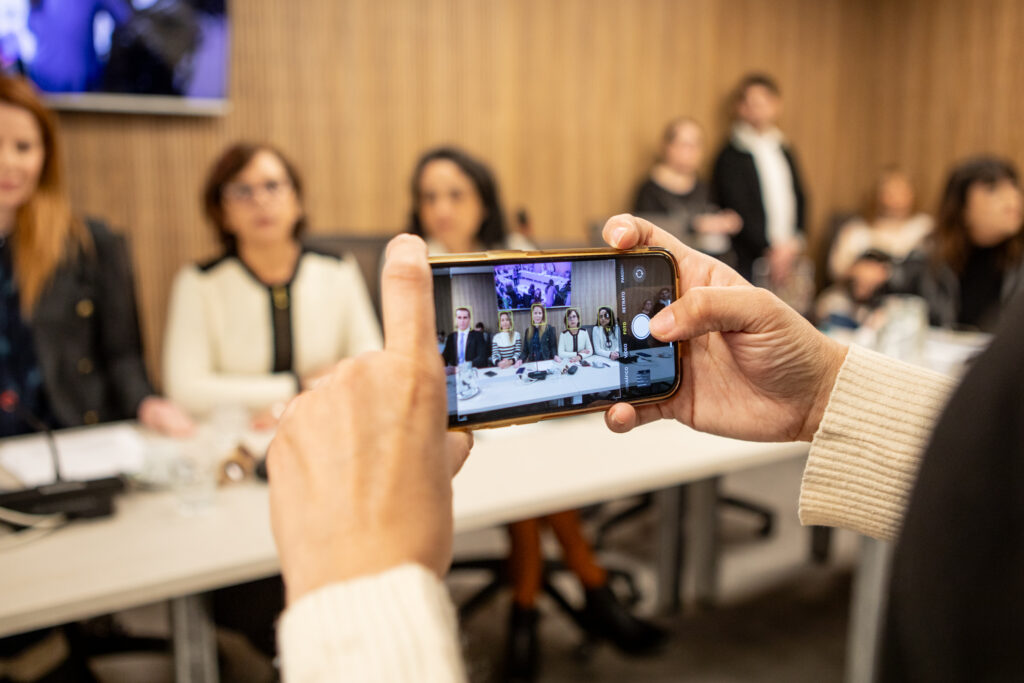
{"points": [[952, 243], [579, 322], [611, 323], [228, 165], [534, 328], [507, 314], [491, 232], [45, 231]]}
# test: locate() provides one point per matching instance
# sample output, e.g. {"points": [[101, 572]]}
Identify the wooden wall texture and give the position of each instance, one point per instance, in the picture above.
{"points": [[565, 98]]}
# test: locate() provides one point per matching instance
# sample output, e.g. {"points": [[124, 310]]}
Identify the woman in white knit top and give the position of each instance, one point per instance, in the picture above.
{"points": [[506, 345], [264, 320], [574, 342]]}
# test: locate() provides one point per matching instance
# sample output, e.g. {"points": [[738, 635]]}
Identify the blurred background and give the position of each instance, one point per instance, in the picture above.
{"points": [[565, 99]]}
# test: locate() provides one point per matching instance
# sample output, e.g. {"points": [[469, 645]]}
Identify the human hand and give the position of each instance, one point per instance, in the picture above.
{"points": [[726, 222], [361, 466], [753, 368], [166, 417], [268, 417], [557, 358], [310, 380], [614, 355], [505, 363]]}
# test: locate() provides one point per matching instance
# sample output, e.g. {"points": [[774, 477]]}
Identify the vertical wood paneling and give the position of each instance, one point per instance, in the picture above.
{"points": [[565, 99], [950, 76]]}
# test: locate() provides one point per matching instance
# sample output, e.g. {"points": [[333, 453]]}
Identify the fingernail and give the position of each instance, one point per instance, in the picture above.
{"points": [[619, 233], [663, 323]]}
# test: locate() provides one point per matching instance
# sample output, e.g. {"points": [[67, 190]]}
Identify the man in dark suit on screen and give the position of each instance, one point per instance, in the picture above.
{"points": [[464, 344]]}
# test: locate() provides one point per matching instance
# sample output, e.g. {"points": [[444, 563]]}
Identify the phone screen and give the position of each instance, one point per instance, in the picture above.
{"points": [[539, 336]]}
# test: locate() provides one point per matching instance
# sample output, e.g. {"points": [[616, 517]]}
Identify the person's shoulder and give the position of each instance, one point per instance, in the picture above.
{"points": [[106, 243], [730, 151], [215, 268]]}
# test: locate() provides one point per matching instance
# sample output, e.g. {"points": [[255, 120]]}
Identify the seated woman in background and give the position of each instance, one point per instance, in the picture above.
{"points": [[540, 343], [574, 343], [975, 260], [676, 198], [68, 323], [260, 323], [69, 316], [267, 317], [456, 208], [606, 338], [890, 226], [506, 345]]}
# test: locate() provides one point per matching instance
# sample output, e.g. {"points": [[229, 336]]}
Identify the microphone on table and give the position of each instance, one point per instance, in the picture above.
{"points": [[10, 403], [90, 498]]}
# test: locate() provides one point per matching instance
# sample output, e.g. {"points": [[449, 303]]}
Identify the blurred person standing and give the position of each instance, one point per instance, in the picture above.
{"points": [[756, 175], [677, 198]]}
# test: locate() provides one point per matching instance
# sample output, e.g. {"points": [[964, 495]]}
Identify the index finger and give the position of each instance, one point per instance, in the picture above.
{"points": [[695, 269], [407, 298]]}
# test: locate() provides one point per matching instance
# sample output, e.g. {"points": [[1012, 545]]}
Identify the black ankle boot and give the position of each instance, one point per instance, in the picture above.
{"points": [[604, 616], [522, 657]]}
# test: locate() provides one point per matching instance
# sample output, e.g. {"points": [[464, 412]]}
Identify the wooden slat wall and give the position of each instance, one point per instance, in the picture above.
{"points": [[951, 74], [566, 100]]}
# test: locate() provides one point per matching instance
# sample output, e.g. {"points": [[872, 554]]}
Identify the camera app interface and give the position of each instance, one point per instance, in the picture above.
{"points": [[534, 337]]}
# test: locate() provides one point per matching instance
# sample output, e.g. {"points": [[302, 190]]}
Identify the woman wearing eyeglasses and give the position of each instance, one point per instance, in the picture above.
{"points": [[268, 316], [259, 323]]}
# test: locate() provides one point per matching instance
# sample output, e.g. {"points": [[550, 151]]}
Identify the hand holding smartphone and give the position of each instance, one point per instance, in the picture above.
{"points": [[548, 311]]}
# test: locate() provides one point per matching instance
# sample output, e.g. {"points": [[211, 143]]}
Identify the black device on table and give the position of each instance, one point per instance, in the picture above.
{"points": [[73, 499], [489, 283]]}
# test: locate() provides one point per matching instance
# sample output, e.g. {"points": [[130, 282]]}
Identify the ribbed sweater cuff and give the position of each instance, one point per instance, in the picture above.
{"points": [[865, 455], [396, 626]]}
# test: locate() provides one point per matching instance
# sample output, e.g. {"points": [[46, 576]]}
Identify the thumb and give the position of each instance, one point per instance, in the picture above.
{"points": [[720, 309]]}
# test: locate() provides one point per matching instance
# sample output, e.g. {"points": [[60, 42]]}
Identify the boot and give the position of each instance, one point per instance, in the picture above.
{"points": [[605, 617], [522, 657]]}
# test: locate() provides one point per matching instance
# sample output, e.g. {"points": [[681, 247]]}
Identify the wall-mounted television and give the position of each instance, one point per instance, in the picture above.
{"points": [[518, 286], [133, 56]]}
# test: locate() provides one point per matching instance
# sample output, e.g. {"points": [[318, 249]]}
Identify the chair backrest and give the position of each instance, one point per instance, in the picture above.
{"points": [[367, 250]]}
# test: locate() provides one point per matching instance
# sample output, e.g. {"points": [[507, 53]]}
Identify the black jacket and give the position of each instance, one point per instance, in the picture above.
{"points": [[477, 350], [86, 333], [956, 605], [548, 344], [734, 185]]}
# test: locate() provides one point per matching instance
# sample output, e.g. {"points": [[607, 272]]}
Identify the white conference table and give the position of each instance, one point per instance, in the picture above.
{"points": [[506, 387], [148, 552]]}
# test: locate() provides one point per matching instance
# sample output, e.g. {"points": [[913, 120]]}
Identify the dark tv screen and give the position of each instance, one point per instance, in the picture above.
{"points": [[146, 56]]}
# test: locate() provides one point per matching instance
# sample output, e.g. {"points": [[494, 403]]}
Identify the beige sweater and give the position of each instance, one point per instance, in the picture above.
{"points": [[400, 625]]}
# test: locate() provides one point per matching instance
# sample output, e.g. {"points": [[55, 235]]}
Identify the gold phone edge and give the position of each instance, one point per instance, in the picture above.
{"points": [[483, 256]]}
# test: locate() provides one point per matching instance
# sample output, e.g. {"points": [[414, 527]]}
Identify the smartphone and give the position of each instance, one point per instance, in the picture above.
{"points": [[563, 332]]}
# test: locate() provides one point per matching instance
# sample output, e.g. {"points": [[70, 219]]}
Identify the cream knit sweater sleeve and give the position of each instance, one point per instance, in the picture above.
{"points": [[392, 627], [864, 458]]}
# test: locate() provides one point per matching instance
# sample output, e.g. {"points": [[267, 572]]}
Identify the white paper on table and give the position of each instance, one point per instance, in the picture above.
{"points": [[89, 453]]}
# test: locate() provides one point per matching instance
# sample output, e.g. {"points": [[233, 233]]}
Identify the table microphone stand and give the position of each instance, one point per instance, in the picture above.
{"points": [[74, 499]]}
